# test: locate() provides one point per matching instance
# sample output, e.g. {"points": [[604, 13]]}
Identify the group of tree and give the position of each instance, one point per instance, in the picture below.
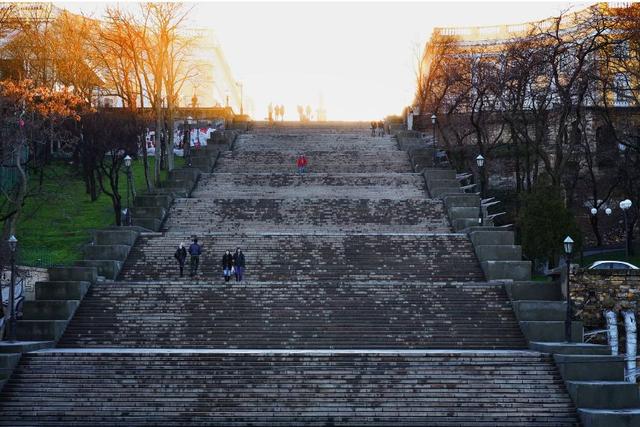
{"points": [[548, 102], [56, 69]]}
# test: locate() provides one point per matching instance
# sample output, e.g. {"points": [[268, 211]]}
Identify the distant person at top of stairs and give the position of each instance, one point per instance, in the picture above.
{"points": [[270, 110], [282, 113], [301, 163], [380, 128], [181, 256], [195, 250], [227, 265], [374, 125], [239, 263]]}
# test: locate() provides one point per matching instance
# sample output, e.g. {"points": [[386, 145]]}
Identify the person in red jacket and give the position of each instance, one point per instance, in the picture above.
{"points": [[301, 163]]}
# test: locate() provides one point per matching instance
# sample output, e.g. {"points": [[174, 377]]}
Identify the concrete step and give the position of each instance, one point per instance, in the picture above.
{"points": [[106, 252], [115, 237], [24, 346], [49, 309], [562, 347], [604, 394], [545, 291], [105, 267], [63, 290], [79, 274], [550, 331], [585, 367], [540, 310], [40, 330], [480, 238], [610, 417], [507, 270], [498, 252]]}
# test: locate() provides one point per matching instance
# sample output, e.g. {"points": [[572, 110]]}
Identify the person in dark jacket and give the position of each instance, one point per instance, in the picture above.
{"points": [[227, 265], [181, 256], [195, 250], [239, 264]]}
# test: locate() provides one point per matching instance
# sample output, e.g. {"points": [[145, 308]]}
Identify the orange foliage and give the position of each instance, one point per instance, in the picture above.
{"points": [[47, 103]]}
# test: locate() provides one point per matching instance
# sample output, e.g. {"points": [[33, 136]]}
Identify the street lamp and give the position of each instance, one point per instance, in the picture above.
{"points": [[433, 123], [607, 211], [480, 163], [127, 165], [625, 205], [13, 246], [568, 249], [594, 211]]}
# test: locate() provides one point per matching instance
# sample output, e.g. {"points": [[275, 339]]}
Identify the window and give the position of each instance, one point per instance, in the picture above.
{"points": [[621, 50], [621, 88]]}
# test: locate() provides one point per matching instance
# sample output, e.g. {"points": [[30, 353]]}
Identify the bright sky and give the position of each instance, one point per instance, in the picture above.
{"points": [[359, 56]]}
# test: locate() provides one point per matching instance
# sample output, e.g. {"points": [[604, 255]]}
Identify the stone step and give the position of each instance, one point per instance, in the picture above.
{"points": [[311, 185], [550, 331], [326, 215], [107, 268], [560, 347], [499, 252], [480, 238], [295, 316], [40, 330], [106, 252], [80, 274], [586, 367], [443, 388], [115, 237], [315, 257], [507, 270]]}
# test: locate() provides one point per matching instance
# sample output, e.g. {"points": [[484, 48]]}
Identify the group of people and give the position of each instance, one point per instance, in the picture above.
{"points": [[377, 128], [277, 111], [232, 264]]}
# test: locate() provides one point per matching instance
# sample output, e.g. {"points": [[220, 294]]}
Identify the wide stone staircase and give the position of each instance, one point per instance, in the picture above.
{"points": [[361, 306]]}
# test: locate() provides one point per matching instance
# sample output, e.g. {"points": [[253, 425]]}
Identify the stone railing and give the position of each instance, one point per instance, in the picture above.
{"points": [[594, 291]]}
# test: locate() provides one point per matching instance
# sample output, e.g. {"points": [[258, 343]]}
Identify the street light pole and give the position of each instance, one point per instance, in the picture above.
{"points": [[239, 84], [625, 205], [480, 164], [127, 165], [13, 245], [433, 123], [568, 249]]}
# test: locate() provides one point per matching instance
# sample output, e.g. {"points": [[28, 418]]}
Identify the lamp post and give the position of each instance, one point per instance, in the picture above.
{"points": [[568, 249], [480, 164], [226, 93], [127, 166], [625, 205], [433, 123], [13, 245]]}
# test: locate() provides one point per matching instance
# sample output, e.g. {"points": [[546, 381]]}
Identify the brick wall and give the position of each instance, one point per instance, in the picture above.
{"points": [[596, 291]]}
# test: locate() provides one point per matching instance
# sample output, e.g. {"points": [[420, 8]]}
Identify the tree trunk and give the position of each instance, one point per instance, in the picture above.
{"points": [[11, 223], [593, 219], [156, 171], [170, 136]]}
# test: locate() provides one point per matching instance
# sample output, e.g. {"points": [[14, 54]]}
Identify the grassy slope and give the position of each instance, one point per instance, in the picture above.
{"points": [[57, 222]]}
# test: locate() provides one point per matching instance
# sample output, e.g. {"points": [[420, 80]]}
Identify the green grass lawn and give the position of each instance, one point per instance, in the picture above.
{"points": [[56, 223]]}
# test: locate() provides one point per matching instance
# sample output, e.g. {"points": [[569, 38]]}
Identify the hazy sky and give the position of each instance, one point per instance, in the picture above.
{"points": [[360, 56]]}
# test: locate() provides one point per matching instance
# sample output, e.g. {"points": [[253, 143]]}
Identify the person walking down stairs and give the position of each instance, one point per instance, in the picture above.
{"points": [[301, 163], [227, 265], [238, 264], [181, 256], [195, 250]]}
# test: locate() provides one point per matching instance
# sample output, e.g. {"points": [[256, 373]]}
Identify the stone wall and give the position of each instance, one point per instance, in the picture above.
{"points": [[595, 291]]}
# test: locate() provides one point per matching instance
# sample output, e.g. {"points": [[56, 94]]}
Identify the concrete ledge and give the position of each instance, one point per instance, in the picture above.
{"points": [[540, 310], [49, 309], [604, 394], [159, 200], [551, 331], [184, 174], [510, 270], [441, 192], [564, 348], [149, 212], [609, 417], [64, 290], [110, 252], [581, 367], [492, 238], [153, 224], [105, 267], [24, 346], [40, 329], [76, 274], [545, 291], [462, 200], [459, 212], [462, 224], [115, 237], [499, 252]]}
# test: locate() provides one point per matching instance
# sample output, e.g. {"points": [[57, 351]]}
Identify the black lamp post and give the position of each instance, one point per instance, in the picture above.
{"points": [[127, 166], [13, 246], [433, 123], [625, 205], [568, 249], [480, 164]]}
